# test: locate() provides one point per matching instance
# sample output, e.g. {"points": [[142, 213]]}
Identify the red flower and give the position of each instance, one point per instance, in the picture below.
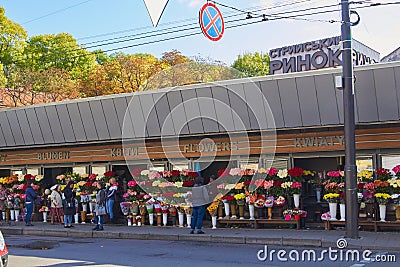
{"points": [[277, 183], [188, 183], [88, 184], [136, 172], [92, 177], [28, 177], [175, 173], [109, 174], [193, 174], [360, 185], [247, 182], [295, 172], [382, 171], [228, 198]]}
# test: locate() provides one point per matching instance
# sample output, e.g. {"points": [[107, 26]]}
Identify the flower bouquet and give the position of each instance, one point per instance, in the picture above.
{"points": [[269, 202], [157, 207], [260, 202], [240, 198], [125, 207], [44, 209], [280, 201], [382, 198], [331, 197], [134, 208], [212, 209]]}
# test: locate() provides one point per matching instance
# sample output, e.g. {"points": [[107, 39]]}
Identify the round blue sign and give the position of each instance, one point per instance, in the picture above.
{"points": [[211, 22]]}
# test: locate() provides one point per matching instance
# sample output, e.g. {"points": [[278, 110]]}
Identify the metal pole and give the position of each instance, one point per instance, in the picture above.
{"points": [[349, 126]]}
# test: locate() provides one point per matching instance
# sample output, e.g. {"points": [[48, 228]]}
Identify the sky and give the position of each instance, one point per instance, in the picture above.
{"points": [[87, 18]]}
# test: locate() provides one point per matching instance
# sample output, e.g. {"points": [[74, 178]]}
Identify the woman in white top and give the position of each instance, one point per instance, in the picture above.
{"points": [[56, 208]]}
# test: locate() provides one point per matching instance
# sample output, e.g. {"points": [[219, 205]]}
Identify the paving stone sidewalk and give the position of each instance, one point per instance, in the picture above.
{"points": [[388, 241]]}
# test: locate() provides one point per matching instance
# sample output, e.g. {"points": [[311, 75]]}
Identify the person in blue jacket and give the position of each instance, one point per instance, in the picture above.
{"points": [[30, 197]]}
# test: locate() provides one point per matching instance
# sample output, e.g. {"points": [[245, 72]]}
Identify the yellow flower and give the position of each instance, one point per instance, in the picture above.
{"points": [[177, 195], [262, 170], [178, 184], [63, 187], [239, 186], [331, 195], [78, 194], [240, 196]]}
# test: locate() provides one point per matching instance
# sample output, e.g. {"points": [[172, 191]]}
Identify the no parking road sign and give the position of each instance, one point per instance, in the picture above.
{"points": [[211, 22]]}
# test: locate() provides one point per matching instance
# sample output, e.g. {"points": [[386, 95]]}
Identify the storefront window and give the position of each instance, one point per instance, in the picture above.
{"points": [[33, 171], [16, 172], [180, 166], [79, 169], [364, 163], [277, 163], [390, 161], [100, 170], [159, 167], [250, 165]]}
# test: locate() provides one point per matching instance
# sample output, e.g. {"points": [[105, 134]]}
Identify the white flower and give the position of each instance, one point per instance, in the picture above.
{"points": [[21, 178], [38, 178], [145, 172], [394, 196], [282, 173]]}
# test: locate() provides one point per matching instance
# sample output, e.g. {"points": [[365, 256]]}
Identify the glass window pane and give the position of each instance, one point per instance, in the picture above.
{"points": [[159, 167], [364, 163], [100, 170], [279, 164], [248, 165], [390, 161], [17, 172], [33, 171], [79, 169], [180, 166]]}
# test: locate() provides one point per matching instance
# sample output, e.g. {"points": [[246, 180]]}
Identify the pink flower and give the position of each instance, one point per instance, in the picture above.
{"points": [[272, 171], [334, 174], [259, 182], [132, 183], [268, 184], [396, 169], [235, 171], [296, 185], [153, 175]]}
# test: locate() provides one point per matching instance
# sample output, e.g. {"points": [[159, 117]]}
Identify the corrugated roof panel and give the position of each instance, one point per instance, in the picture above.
{"points": [[25, 127], [76, 122], [66, 125]]}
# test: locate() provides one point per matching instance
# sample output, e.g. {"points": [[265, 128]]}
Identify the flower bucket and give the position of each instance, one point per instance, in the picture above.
{"points": [[214, 222], [296, 217], [220, 211], [318, 194], [76, 218], [251, 211], [84, 207], [12, 215], [382, 213], [129, 221], [44, 216], [188, 220], [159, 219], [296, 198], [397, 213], [269, 212], [151, 219], [342, 208], [180, 219], [83, 217], [16, 212], [165, 219], [333, 210], [227, 210], [288, 217], [241, 212]]}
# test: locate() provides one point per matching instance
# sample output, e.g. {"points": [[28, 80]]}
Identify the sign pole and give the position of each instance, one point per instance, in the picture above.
{"points": [[349, 126]]}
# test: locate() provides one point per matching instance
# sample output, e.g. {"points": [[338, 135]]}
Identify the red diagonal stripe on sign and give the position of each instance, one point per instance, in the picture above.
{"points": [[212, 21]]}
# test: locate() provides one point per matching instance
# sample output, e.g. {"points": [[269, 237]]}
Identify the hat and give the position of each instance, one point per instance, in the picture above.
{"points": [[54, 187]]}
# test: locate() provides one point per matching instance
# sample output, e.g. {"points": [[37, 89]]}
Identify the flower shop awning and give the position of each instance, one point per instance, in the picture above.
{"points": [[308, 99]]}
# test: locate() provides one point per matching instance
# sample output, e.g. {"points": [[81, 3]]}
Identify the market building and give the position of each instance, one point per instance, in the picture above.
{"points": [[85, 135]]}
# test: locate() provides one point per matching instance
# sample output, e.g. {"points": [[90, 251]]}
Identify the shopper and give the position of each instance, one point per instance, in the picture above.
{"points": [[69, 204], [200, 198], [30, 197], [100, 206], [3, 200], [110, 199], [56, 208]]}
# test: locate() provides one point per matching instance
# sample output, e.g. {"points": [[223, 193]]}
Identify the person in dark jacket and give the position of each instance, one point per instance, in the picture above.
{"points": [[100, 206], [69, 204], [30, 197], [200, 198], [111, 194]]}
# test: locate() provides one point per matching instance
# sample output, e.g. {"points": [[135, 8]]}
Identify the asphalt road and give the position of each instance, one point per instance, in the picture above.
{"points": [[27, 251]]}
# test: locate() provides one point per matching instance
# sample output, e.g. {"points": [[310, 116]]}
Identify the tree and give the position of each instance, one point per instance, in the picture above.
{"points": [[12, 42], [59, 51], [251, 65]]}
